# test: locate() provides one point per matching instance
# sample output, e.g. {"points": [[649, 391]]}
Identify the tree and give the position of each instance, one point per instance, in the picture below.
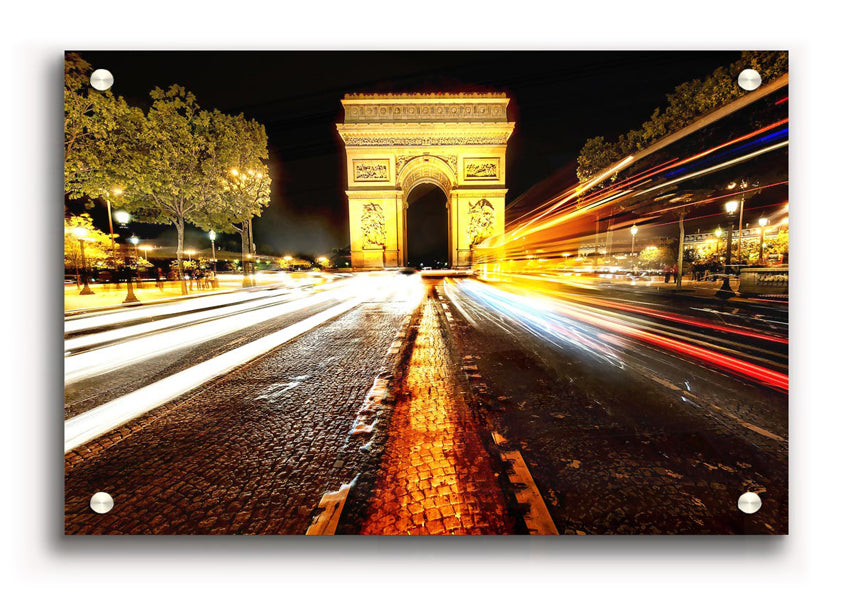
{"points": [[165, 178], [687, 103], [239, 177]]}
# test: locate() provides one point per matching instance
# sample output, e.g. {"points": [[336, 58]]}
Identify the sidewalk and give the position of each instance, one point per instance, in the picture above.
{"points": [[111, 295]]}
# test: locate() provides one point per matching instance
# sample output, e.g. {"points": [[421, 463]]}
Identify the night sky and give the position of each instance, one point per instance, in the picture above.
{"points": [[558, 100]]}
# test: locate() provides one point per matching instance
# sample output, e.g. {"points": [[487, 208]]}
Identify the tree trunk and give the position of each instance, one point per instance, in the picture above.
{"points": [[246, 250], [253, 248], [180, 227]]}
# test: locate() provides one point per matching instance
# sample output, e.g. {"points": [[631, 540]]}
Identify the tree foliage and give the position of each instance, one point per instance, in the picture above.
{"points": [[688, 102], [237, 172], [98, 128]]}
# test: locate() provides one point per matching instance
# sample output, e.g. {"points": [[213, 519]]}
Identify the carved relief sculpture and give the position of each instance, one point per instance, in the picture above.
{"points": [[477, 168], [482, 221], [371, 170], [373, 226]]}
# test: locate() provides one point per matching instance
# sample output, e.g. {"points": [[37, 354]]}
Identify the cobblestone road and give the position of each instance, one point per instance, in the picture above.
{"points": [[248, 454], [436, 476]]}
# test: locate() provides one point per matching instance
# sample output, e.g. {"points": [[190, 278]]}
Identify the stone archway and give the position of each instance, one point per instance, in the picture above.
{"points": [[394, 142]]}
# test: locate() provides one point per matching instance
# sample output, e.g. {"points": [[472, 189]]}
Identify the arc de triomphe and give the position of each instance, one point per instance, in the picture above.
{"points": [[395, 142]]}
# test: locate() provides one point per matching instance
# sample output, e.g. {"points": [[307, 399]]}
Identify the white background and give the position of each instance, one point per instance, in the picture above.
{"points": [[39, 559]]}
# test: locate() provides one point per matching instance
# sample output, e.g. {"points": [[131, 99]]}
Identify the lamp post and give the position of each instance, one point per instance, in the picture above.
{"points": [[81, 233], [131, 271], [762, 225], [743, 185], [212, 243], [117, 192], [725, 290], [123, 217]]}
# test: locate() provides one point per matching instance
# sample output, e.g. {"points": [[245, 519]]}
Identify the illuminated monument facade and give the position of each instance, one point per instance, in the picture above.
{"points": [[396, 142]]}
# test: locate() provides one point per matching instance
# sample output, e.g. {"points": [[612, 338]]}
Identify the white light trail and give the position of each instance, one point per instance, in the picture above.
{"points": [[89, 425], [172, 306], [122, 315], [142, 328], [108, 358]]}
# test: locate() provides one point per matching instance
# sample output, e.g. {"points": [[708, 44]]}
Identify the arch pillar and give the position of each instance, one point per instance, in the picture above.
{"points": [[380, 212], [467, 205]]}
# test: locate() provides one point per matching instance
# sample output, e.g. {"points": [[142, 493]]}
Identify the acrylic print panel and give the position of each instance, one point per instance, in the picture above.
{"points": [[426, 293]]}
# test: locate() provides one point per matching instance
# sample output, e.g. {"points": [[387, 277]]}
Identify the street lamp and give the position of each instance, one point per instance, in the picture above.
{"points": [[762, 225], [212, 243], [725, 290], [744, 184], [81, 233], [131, 271], [116, 192], [123, 217]]}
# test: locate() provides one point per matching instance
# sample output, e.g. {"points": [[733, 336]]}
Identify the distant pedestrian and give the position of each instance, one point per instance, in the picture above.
{"points": [[159, 278], [666, 274]]}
